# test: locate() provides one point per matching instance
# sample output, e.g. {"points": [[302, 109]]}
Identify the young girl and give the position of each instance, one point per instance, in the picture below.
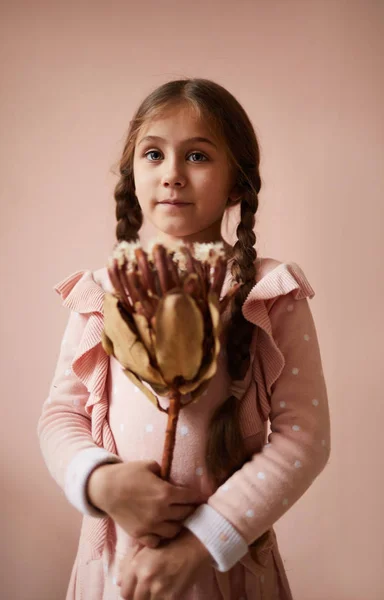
{"points": [[190, 153]]}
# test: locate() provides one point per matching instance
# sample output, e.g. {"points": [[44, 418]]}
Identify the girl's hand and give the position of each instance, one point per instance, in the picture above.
{"points": [[144, 505], [163, 573]]}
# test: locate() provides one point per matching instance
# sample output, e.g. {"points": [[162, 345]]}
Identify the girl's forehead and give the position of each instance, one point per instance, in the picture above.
{"points": [[181, 117]]}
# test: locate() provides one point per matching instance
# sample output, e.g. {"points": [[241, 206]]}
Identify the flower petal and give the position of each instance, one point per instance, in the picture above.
{"points": [[214, 309], [179, 329], [207, 371], [195, 388], [145, 332], [127, 348]]}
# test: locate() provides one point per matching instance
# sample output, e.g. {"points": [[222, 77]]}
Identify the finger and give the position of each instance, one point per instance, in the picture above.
{"points": [[128, 586], [135, 551], [179, 512], [142, 592], [150, 541], [168, 529], [184, 495], [157, 591]]}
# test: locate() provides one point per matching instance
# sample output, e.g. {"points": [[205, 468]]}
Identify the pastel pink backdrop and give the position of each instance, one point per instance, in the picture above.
{"points": [[309, 73]]}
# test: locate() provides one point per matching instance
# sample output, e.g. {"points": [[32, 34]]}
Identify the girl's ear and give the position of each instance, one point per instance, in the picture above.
{"points": [[234, 197]]}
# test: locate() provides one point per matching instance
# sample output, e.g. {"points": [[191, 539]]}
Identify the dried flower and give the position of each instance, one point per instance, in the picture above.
{"points": [[163, 321]]}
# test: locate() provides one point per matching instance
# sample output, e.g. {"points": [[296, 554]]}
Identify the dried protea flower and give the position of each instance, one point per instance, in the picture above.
{"points": [[163, 321]]}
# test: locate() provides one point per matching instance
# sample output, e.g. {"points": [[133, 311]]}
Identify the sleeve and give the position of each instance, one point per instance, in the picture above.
{"points": [[64, 427], [298, 448]]}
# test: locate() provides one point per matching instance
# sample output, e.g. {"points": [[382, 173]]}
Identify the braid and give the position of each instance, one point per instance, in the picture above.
{"points": [[225, 448], [240, 330], [128, 212]]}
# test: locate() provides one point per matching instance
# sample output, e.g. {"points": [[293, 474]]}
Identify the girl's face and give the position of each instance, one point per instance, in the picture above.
{"points": [[183, 177]]}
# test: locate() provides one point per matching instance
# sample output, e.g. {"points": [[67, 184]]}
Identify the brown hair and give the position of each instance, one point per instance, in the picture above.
{"points": [[222, 112]]}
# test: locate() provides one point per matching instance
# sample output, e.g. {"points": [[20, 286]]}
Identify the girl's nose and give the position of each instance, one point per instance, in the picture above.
{"points": [[173, 177]]}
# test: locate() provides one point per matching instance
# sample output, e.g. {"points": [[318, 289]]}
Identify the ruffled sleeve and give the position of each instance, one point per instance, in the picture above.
{"points": [[287, 387], [276, 280], [286, 280], [290, 387], [73, 432], [82, 295]]}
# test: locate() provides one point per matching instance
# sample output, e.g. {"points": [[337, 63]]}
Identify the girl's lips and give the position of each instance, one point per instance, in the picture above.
{"points": [[176, 204]]}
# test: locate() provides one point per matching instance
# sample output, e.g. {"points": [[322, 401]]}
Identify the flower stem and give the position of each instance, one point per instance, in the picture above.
{"points": [[170, 435]]}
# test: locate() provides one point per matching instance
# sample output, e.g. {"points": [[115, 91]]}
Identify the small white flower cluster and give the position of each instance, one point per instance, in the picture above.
{"points": [[209, 252], [203, 252], [124, 251]]}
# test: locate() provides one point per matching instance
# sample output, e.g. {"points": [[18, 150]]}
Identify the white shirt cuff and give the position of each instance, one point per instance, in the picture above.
{"points": [[221, 539], [76, 478]]}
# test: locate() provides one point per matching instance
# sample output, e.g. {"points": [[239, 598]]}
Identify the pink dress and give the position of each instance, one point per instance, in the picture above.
{"points": [[94, 414]]}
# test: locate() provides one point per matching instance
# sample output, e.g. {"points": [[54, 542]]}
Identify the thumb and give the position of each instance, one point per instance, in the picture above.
{"points": [[154, 467]]}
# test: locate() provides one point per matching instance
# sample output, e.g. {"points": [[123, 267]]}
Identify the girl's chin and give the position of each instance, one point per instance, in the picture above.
{"points": [[175, 227], [177, 232], [184, 228]]}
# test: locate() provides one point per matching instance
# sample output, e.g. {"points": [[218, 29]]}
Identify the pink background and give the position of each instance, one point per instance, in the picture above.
{"points": [[309, 73]]}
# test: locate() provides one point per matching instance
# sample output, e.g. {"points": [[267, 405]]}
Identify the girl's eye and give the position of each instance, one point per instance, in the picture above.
{"points": [[152, 152], [199, 154]]}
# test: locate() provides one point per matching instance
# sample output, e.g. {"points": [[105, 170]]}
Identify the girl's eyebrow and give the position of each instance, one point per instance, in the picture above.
{"points": [[156, 138]]}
